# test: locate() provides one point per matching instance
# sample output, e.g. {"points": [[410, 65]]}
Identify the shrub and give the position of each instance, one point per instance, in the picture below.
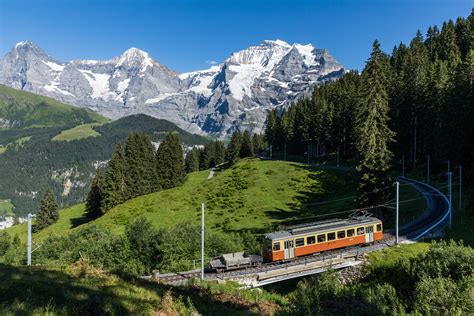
{"points": [[443, 296]]}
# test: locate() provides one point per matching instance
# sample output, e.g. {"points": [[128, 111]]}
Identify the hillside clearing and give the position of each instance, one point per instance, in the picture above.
{"points": [[6, 207], [78, 132]]}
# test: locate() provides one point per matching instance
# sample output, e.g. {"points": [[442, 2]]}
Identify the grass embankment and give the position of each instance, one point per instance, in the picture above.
{"points": [[253, 195], [78, 132], [81, 289]]}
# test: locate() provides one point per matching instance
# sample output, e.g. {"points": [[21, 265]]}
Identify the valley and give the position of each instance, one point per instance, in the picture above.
{"points": [[62, 146]]}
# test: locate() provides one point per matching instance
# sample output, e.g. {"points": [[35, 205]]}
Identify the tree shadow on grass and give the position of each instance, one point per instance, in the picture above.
{"points": [[330, 191], [24, 290], [78, 221], [203, 300]]}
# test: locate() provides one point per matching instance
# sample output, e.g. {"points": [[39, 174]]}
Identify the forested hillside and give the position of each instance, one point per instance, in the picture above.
{"points": [[39, 161], [425, 88]]}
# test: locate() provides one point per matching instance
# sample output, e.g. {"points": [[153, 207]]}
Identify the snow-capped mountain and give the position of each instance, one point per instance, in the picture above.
{"points": [[234, 94]]}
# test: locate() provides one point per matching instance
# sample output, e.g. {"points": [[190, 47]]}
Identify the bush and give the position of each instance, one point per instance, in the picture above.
{"points": [[310, 293], [384, 299], [444, 259], [4, 242], [443, 296]]}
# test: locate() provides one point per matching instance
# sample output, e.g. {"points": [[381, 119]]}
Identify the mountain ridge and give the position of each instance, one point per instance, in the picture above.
{"points": [[234, 94]]}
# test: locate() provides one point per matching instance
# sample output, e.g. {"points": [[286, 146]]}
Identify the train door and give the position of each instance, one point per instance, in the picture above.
{"points": [[289, 249], [369, 234]]}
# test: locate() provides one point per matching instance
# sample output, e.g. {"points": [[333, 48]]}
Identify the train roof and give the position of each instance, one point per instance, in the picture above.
{"points": [[321, 226]]}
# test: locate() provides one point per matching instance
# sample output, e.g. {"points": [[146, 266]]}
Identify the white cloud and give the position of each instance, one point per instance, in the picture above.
{"points": [[211, 62]]}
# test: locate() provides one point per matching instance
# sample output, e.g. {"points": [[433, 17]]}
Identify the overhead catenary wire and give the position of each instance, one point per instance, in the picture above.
{"points": [[346, 198]]}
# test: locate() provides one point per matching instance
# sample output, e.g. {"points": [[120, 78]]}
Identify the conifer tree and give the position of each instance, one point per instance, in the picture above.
{"points": [[139, 166], [48, 211], [373, 132], [94, 198], [209, 155], [258, 143], [246, 148], [219, 152], [113, 184], [271, 124], [191, 161], [233, 148], [170, 162]]}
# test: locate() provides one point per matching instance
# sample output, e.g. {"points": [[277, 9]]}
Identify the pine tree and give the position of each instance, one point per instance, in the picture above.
{"points": [[94, 198], [373, 132], [219, 157], [271, 124], [113, 184], [233, 148], [170, 162], [139, 166], [191, 161], [258, 143], [48, 211], [246, 148], [209, 155]]}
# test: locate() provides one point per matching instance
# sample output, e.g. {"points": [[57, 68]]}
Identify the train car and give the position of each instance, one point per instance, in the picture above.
{"points": [[236, 260], [306, 239]]}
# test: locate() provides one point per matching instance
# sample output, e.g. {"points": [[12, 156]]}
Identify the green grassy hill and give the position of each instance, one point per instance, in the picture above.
{"points": [[254, 195], [28, 110]]}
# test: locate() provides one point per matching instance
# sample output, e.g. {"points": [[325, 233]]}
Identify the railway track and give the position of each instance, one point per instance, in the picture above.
{"points": [[433, 218]]}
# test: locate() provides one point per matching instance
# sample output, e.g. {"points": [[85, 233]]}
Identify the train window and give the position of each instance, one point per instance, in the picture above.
{"points": [[341, 234], [322, 238], [331, 236], [350, 232], [379, 227], [369, 229], [276, 246], [311, 240], [360, 230], [299, 242]]}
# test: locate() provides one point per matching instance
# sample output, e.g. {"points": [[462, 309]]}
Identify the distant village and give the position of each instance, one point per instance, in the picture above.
{"points": [[9, 221]]}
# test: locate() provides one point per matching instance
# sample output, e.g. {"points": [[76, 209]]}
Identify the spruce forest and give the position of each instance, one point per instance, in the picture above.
{"points": [[423, 94]]}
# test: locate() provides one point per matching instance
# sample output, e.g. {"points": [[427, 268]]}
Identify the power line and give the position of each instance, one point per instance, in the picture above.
{"points": [[346, 198]]}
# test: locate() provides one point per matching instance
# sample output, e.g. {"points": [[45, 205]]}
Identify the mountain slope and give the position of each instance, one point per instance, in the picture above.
{"points": [[235, 94], [21, 110], [46, 143]]}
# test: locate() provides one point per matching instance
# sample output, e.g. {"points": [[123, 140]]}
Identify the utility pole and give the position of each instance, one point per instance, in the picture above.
{"points": [[284, 155], [271, 151], [460, 186], [414, 144], [428, 173], [338, 157], [28, 254], [450, 199], [397, 184], [202, 243]]}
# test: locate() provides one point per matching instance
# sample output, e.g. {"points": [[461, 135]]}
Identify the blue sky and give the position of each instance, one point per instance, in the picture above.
{"points": [[187, 35]]}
